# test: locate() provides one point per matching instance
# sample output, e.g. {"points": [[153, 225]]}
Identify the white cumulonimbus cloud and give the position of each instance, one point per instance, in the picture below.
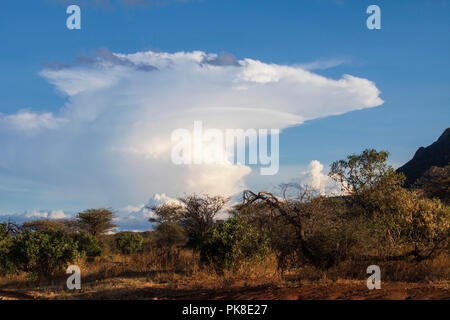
{"points": [[109, 145], [315, 177]]}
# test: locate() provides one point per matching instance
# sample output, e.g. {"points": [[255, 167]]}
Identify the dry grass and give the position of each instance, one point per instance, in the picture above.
{"points": [[156, 275]]}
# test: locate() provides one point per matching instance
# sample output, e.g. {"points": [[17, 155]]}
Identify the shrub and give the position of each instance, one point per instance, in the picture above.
{"points": [[170, 235], [43, 253], [407, 218], [87, 245], [129, 242], [196, 213], [399, 218], [6, 265], [303, 227], [330, 246], [229, 243]]}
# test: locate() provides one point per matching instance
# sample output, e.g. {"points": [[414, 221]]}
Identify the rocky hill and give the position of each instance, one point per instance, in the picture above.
{"points": [[436, 154]]}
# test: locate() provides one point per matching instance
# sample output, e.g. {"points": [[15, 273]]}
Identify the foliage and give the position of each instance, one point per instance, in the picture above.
{"points": [[303, 228], [129, 242], [6, 265], [43, 253], [3, 230], [69, 226], [230, 242], [366, 171], [9, 229], [169, 212], [96, 221], [196, 213], [87, 245], [396, 216], [42, 225], [403, 216], [332, 239], [170, 235]]}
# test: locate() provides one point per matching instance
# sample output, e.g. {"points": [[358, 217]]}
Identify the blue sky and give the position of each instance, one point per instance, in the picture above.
{"points": [[408, 60]]}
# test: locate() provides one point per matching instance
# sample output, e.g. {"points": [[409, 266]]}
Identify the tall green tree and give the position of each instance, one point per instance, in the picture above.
{"points": [[367, 170], [363, 176], [96, 221]]}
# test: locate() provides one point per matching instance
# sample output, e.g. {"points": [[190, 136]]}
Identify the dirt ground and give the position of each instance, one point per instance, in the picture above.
{"points": [[344, 290]]}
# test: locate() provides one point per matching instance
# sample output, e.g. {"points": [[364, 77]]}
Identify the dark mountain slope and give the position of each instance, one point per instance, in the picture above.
{"points": [[436, 154]]}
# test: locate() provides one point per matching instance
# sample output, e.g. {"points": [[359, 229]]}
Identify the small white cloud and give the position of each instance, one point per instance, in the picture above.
{"points": [[324, 64], [58, 214], [31, 121], [131, 208], [36, 214]]}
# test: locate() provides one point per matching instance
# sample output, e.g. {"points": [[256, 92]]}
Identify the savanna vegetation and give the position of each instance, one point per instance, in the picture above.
{"points": [[269, 239]]}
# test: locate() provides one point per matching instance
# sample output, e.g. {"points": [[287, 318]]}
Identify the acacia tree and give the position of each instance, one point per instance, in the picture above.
{"points": [[169, 212], [196, 213], [200, 212], [96, 221]]}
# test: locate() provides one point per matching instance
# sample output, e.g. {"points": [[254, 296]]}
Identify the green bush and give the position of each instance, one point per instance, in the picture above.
{"points": [[129, 242], [87, 245], [43, 253], [6, 265], [231, 242]]}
